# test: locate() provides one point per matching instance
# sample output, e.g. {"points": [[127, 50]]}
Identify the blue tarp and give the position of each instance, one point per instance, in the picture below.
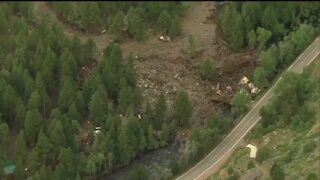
{"points": [[9, 167]]}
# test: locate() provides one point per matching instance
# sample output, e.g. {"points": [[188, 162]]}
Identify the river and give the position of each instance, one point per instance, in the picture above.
{"points": [[162, 157]]}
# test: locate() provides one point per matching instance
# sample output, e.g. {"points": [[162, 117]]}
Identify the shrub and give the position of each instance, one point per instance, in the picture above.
{"points": [[309, 146], [263, 154], [208, 70]]}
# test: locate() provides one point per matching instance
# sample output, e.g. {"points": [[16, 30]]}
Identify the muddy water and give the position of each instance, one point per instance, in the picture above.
{"points": [[162, 157]]}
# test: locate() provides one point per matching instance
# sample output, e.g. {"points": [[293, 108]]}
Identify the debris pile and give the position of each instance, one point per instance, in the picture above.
{"points": [[86, 71], [165, 38], [252, 88]]}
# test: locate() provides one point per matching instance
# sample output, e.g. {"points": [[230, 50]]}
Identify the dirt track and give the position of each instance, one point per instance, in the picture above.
{"points": [[164, 66]]}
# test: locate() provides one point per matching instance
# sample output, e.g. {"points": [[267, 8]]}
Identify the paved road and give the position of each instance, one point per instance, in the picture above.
{"points": [[211, 163]]}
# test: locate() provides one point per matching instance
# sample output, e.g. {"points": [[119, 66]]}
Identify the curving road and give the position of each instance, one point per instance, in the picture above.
{"points": [[214, 160]]}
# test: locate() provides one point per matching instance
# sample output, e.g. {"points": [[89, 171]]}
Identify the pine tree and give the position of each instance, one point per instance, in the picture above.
{"points": [[136, 27], [88, 49], [21, 149], [152, 143], [246, 25], [237, 35], [164, 136], [269, 59], [67, 94], [126, 149], [19, 171], [32, 125], [34, 102], [147, 117], [73, 113], [9, 100], [17, 77], [160, 112], [117, 25], [277, 172], [20, 112], [47, 70], [45, 172], [4, 133], [260, 78], [175, 27], [239, 102], [4, 22], [98, 104], [66, 169], [68, 65], [80, 103], [90, 86], [252, 39], [41, 88], [129, 72], [225, 19], [56, 135], [43, 147], [269, 21], [183, 109], [254, 11], [208, 70], [28, 85], [142, 141], [125, 99], [286, 56], [164, 21], [263, 36], [76, 51]]}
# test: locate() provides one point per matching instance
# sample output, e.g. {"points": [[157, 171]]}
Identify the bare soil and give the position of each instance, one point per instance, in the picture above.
{"points": [[164, 66]]}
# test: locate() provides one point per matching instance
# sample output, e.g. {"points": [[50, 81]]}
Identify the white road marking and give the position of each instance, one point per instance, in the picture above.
{"points": [[313, 58]]}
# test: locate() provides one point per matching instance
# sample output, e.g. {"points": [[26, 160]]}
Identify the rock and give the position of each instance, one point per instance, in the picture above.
{"points": [[174, 89]]}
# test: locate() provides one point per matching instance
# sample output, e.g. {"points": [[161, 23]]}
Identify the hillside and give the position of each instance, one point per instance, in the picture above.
{"points": [[298, 153], [93, 90]]}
